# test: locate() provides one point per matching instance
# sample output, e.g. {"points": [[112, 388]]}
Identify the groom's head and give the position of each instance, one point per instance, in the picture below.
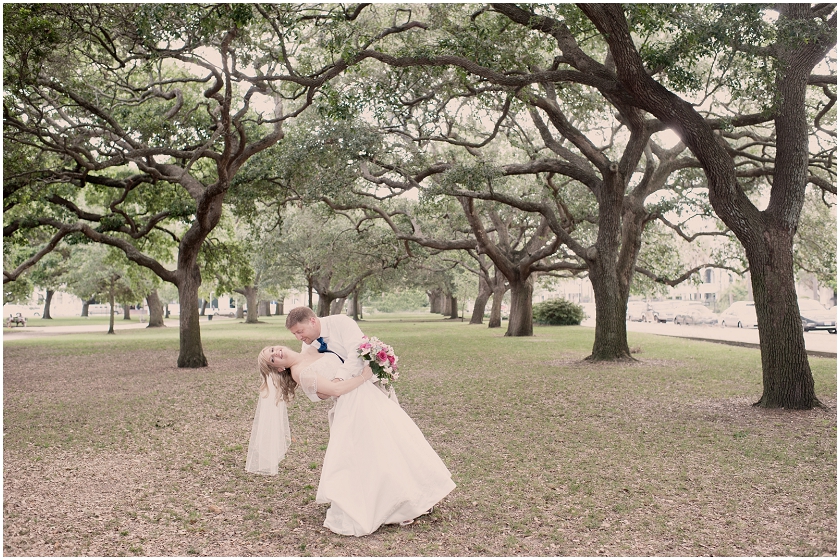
{"points": [[304, 324]]}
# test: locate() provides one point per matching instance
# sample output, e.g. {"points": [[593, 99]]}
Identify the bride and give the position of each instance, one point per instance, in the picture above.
{"points": [[378, 469]]}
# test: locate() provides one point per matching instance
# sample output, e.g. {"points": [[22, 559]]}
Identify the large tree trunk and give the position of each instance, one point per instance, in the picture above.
{"points": [[435, 301], [484, 292], [446, 305], [521, 321], [499, 291], [126, 312], [47, 301], [337, 306], [240, 311], [253, 313], [86, 306], [766, 235], [610, 315], [786, 373], [265, 308], [356, 305], [155, 310], [192, 353], [453, 307], [324, 303], [280, 310], [609, 273]]}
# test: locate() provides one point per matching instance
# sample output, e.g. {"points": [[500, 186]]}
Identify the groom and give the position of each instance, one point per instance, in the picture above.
{"points": [[338, 334]]}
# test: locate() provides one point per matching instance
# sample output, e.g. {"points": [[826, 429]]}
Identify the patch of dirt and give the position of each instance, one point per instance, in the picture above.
{"points": [[637, 361]]}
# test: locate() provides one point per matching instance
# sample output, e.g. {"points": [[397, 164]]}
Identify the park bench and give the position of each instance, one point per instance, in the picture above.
{"points": [[16, 320]]}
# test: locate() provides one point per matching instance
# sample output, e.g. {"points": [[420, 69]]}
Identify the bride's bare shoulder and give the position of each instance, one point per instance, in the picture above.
{"points": [[304, 365]]}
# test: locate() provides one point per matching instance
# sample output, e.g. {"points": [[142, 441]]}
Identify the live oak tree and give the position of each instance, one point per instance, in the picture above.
{"points": [[601, 237], [141, 145], [147, 113], [102, 270], [791, 49], [520, 245], [335, 253], [435, 231]]}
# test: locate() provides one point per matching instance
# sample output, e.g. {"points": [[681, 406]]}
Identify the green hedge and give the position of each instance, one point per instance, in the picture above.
{"points": [[558, 312]]}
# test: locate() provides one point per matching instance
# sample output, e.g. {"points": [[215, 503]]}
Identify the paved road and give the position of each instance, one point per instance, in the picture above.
{"points": [[817, 342]]}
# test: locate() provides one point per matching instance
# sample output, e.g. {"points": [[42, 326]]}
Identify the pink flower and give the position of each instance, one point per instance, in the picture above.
{"points": [[381, 356], [392, 359]]}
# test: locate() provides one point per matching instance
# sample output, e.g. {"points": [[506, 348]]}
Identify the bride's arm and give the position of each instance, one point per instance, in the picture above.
{"points": [[338, 388]]}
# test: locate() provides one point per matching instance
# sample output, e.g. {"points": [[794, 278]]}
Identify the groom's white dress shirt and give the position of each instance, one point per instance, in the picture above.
{"points": [[343, 336]]}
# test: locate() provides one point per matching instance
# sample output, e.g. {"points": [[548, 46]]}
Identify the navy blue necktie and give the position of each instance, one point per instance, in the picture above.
{"points": [[323, 348]]}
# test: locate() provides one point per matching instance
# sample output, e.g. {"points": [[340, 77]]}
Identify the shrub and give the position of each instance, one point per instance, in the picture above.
{"points": [[558, 312]]}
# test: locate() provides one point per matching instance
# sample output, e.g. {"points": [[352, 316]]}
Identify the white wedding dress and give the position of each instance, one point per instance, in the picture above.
{"points": [[378, 469]]}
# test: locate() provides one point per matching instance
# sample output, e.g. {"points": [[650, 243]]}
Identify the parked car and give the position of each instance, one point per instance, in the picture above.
{"points": [[740, 314], [695, 314], [662, 311], [216, 312], [636, 310], [815, 317]]}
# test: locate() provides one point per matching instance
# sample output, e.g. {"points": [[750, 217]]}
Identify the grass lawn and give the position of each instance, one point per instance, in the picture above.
{"points": [[109, 449]]}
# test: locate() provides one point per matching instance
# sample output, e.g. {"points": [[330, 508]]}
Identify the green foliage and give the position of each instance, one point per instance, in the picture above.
{"points": [[471, 176], [558, 312], [815, 244], [488, 40], [188, 22], [30, 32], [683, 42], [18, 291], [318, 157]]}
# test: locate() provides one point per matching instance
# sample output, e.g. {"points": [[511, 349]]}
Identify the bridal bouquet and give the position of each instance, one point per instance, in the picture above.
{"points": [[381, 359]]}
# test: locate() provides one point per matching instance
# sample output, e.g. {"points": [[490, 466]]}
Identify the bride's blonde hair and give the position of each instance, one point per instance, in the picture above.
{"points": [[281, 379]]}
